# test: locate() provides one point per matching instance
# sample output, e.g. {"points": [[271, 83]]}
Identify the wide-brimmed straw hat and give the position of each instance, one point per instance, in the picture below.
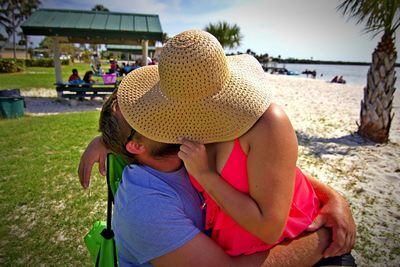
{"points": [[195, 92]]}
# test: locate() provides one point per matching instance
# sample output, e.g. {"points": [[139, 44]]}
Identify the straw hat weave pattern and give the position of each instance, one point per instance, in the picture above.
{"points": [[195, 92]]}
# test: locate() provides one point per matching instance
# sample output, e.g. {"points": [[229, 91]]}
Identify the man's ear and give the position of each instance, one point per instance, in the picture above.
{"points": [[134, 147]]}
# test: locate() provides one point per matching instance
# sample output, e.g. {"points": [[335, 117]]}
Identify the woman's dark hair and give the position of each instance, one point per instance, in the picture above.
{"points": [[87, 75]]}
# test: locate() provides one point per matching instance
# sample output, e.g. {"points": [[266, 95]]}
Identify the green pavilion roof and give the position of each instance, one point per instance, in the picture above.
{"points": [[77, 26], [128, 48]]}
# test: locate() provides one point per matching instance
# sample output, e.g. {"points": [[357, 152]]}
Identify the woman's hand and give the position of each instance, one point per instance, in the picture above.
{"points": [[96, 151], [194, 156]]}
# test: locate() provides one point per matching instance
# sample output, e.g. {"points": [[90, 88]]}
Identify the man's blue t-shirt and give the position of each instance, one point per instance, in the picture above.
{"points": [[155, 213]]}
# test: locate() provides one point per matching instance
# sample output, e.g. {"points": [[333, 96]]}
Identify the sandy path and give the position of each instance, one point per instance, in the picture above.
{"points": [[41, 102]]}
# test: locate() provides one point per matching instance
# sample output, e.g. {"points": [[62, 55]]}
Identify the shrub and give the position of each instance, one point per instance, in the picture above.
{"points": [[10, 65], [39, 62], [43, 62]]}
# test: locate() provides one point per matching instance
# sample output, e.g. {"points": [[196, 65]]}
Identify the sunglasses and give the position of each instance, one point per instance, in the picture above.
{"points": [[131, 135]]}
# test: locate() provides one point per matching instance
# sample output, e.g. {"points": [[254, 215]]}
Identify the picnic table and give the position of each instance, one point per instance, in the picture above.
{"points": [[73, 91]]}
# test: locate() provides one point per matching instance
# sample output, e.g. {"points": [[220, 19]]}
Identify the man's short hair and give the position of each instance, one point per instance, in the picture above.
{"points": [[115, 131]]}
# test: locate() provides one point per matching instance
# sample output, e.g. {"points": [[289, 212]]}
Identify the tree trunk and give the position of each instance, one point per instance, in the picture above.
{"points": [[376, 107], [13, 33], [26, 47]]}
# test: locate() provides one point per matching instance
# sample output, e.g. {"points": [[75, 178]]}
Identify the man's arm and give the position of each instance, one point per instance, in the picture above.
{"points": [[335, 214], [305, 250], [96, 151]]}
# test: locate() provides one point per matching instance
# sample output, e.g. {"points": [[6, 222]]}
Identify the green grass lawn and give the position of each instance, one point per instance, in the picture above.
{"points": [[44, 212], [38, 77]]}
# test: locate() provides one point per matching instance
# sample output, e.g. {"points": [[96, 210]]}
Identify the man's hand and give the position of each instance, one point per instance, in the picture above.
{"points": [[96, 151], [336, 214]]}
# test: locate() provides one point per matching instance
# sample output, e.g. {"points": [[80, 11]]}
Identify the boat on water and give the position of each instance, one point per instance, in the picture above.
{"points": [[278, 70], [283, 71], [292, 72]]}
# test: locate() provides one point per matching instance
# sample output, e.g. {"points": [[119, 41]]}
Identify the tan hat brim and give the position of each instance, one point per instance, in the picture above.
{"points": [[224, 116]]}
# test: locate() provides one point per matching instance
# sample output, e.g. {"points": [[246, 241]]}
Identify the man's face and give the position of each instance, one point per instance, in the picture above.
{"points": [[159, 150], [155, 149]]}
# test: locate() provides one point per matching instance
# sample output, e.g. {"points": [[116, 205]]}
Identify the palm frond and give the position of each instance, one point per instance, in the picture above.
{"points": [[228, 35], [378, 15]]}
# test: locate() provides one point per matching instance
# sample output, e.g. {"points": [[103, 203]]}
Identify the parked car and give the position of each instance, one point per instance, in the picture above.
{"points": [[62, 57]]}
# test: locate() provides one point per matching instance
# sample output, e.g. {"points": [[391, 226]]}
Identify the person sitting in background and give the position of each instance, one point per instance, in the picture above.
{"points": [[88, 81], [338, 79], [127, 69], [341, 80], [136, 65], [153, 62], [74, 76], [88, 78], [313, 74], [121, 70], [113, 66], [96, 71], [118, 69]]}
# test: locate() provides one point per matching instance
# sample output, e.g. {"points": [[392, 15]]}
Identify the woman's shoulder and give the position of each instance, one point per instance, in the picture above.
{"points": [[273, 124], [273, 115]]}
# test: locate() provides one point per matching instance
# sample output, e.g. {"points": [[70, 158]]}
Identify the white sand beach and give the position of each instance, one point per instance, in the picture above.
{"points": [[368, 175], [324, 116]]}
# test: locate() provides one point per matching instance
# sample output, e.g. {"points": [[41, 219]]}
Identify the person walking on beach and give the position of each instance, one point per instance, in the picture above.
{"points": [[269, 142]]}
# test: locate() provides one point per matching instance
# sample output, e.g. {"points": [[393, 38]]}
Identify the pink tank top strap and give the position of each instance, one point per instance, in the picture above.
{"points": [[235, 169]]}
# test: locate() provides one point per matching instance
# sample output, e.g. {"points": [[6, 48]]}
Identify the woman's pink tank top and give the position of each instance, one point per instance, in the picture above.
{"points": [[232, 237]]}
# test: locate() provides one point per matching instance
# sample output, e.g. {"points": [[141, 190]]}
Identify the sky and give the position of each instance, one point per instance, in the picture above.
{"points": [[290, 28]]}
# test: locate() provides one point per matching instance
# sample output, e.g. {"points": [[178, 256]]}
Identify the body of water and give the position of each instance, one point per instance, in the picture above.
{"points": [[354, 75]]}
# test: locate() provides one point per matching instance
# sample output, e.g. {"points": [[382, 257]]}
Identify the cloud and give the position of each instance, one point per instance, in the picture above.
{"points": [[301, 28]]}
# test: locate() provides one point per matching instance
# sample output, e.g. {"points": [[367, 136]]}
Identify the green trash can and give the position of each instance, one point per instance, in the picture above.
{"points": [[12, 104]]}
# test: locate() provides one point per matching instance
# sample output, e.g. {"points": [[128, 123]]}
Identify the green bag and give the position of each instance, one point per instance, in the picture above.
{"points": [[93, 239], [100, 239]]}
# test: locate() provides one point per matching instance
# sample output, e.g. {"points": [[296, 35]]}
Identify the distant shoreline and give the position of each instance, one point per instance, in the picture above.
{"points": [[323, 62]]}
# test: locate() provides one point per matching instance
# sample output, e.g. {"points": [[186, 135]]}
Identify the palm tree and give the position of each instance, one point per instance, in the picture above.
{"points": [[13, 13], [23, 40], [164, 37], [380, 16], [228, 35], [100, 8]]}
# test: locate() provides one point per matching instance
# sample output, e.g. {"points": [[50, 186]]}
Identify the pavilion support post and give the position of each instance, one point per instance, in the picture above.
{"points": [[56, 59], [145, 52]]}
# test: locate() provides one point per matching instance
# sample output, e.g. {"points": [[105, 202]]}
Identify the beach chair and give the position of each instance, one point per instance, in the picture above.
{"points": [[100, 239]]}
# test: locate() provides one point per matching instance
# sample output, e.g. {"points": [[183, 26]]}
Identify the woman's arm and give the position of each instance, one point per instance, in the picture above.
{"points": [[240, 206], [271, 169]]}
